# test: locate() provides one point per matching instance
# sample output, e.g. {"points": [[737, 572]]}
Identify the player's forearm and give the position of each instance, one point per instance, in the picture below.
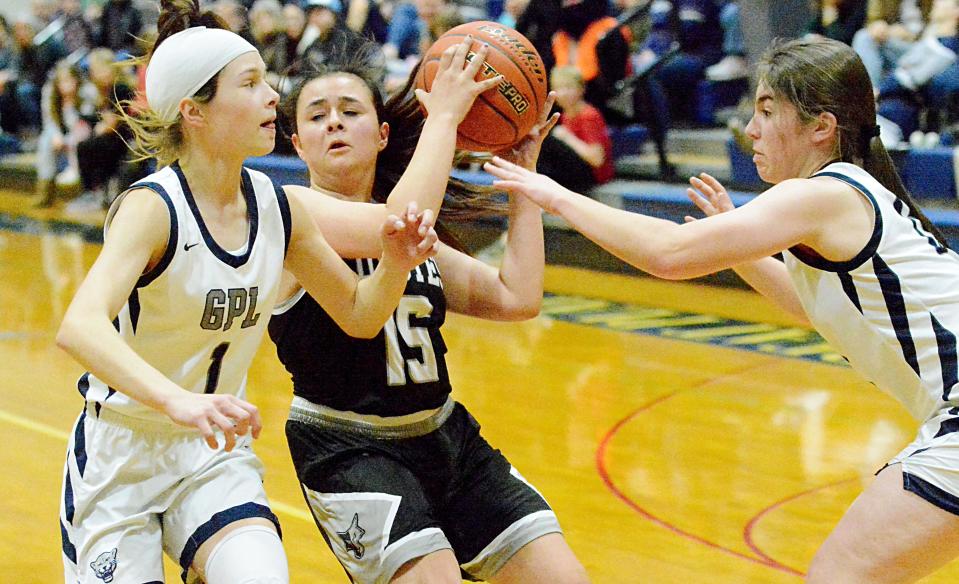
{"points": [[427, 174], [375, 300], [94, 343], [770, 278], [521, 273]]}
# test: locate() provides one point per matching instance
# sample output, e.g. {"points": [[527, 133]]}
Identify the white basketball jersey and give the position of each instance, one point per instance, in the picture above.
{"points": [[200, 314], [893, 310]]}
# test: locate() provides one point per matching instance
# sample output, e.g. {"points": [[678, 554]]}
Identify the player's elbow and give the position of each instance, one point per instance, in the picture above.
{"points": [[68, 334], [669, 265]]}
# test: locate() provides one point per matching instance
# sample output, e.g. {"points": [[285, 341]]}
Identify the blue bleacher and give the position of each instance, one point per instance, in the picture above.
{"points": [[712, 96]]}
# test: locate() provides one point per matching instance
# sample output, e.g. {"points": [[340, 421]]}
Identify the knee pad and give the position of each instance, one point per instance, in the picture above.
{"points": [[248, 555]]}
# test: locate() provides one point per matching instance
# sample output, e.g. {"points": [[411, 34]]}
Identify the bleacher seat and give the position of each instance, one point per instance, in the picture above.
{"points": [[8, 144], [742, 171], [928, 173]]}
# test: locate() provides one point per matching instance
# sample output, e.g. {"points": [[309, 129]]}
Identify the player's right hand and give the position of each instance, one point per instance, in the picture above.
{"points": [[211, 412], [455, 87]]}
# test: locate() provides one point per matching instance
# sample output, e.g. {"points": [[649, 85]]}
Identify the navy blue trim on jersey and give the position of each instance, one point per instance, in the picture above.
{"points": [[931, 493], [898, 205], [252, 214], [896, 307], [69, 549], [865, 253], [134, 304], [83, 384], [947, 427], [172, 241], [218, 522], [68, 505], [948, 360], [849, 287], [80, 442], [284, 204]]}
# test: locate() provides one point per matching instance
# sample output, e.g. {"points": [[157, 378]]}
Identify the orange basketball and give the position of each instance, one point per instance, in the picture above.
{"points": [[501, 116]]}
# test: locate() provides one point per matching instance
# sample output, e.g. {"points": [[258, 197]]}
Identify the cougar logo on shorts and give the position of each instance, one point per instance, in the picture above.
{"points": [[352, 536], [105, 565]]}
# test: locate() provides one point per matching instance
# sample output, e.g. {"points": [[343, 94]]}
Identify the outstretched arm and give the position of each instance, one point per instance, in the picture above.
{"points": [[674, 251], [359, 307], [768, 276]]}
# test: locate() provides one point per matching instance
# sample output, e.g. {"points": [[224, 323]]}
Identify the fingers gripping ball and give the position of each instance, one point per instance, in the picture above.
{"points": [[501, 116]]}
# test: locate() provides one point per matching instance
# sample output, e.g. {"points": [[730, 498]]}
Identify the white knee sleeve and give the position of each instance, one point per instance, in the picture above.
{"points": [[248, 555]]}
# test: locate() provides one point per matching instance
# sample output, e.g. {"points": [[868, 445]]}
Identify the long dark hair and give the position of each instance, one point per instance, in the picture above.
{"points": [[823, 75], [463, 202], [153, 137]]}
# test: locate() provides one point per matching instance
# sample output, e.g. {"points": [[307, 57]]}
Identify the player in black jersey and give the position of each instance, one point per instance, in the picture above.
{"points": [[400, 481]]}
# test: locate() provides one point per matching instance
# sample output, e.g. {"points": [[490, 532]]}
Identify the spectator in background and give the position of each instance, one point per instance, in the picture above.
{"points": [[77, 32], [295, 23], [9, 112], [733, 64], [694, 25], [364, 18], [120, 24], [269, 36], [577, 153], [32, 64], [43, 11], [538, 23], [409, 33], [325, 33], [837, 19], [512, 11], [63, 129], [927, 75], [894, 25], [101, 155], [234, 15]]}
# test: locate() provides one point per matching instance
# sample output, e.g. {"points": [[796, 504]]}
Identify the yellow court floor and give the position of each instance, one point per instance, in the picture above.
{"points": [[681, 432]]}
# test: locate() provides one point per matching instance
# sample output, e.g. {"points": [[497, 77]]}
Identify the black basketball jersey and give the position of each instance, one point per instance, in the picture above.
{"points": [[400, 371]]}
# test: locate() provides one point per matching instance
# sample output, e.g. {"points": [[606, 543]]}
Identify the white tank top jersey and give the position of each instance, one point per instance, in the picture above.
{"points": [[200, 314], [893, 310]]}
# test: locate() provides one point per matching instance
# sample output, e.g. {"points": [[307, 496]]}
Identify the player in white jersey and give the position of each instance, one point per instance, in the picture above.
{"points": [[862, 264], [172, 311]]}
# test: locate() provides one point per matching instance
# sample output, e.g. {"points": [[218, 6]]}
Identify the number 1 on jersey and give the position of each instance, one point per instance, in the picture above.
{"points": [[216, 362]]}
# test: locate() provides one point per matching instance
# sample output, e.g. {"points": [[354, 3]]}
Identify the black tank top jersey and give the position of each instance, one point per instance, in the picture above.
{"points": [[400, 371]]}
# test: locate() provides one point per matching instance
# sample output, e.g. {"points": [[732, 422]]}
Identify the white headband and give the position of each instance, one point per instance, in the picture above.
{"points": [[185, 61]]}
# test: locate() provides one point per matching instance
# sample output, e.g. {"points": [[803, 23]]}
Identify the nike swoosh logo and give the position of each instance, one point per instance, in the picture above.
{"points": [[187, 246]]}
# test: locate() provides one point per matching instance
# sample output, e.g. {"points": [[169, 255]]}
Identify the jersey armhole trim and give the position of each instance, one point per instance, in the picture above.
{"points": [[284, 204], [172, 240], [286, 305], [867, 251]]}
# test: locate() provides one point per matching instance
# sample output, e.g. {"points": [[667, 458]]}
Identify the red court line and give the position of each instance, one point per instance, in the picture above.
{"points": [[601, 467], [748, 529]]}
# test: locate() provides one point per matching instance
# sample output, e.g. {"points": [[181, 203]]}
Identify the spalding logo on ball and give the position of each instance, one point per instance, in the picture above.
{"points": [[503, 115]]}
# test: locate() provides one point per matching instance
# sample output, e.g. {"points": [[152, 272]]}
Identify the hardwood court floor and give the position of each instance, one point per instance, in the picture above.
{"points": [[682, 433]]}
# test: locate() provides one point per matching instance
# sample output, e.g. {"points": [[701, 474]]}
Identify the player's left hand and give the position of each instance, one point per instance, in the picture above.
{"points": [[538, 188], [410, 240], [525, 153], [709, 195]]}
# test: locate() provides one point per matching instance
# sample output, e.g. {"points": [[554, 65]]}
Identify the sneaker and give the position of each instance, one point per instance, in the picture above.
{"points": [[88, 202], [731, 67], [68, 178]]}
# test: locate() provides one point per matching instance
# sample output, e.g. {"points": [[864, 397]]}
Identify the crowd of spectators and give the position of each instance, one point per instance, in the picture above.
{"points": [[64, 65]]}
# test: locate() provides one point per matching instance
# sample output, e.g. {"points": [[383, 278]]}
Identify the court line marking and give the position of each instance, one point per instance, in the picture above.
{"points": [[601, 467], [748, 529], [58, 434]]}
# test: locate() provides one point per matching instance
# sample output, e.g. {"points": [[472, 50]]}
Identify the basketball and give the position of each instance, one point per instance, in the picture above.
{"points": [[501, 116]]}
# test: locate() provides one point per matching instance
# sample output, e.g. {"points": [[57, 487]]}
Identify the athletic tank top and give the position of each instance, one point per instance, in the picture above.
{"points": [[400, 371], [893, 310], [200, 314]]}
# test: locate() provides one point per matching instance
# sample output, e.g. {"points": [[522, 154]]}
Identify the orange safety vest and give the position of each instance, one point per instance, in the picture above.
{"points": [[586, 59]]}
